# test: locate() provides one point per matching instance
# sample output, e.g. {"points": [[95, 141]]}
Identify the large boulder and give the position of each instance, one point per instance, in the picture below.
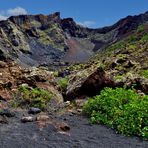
{"points": [[88, 82]]}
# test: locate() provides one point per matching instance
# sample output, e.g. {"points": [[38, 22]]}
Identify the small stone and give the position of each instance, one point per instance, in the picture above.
{"points": [[27, 119], [79, 110], [67, 103], [33, 110], [24, 85], [3, 64], [3, 120], [7, 113], [64, 127], [15, 42], [42, 118]]}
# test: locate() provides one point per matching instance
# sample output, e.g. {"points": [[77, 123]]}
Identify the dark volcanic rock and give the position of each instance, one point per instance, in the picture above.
{"points": [[7, 113], [88, 84], [73, 29], [33, 110], [3, 120], [96, 82], [2, 56]]}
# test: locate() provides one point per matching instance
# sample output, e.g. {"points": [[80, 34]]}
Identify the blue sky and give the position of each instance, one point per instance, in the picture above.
{"points": [[92, 13]]}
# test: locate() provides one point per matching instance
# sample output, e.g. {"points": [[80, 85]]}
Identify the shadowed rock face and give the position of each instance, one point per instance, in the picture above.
{"points": [[88, 83], [35, 40]]}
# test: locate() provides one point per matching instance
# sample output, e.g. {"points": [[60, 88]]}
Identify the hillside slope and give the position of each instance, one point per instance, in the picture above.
{"points": [[123, 63]]}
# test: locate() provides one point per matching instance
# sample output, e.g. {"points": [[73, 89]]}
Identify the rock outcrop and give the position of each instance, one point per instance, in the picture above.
{"points": [[13, 76], [88, 83]]}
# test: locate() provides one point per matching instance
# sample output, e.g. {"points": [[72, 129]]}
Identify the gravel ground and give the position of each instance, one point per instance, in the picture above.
{"points": [[81, 135]]}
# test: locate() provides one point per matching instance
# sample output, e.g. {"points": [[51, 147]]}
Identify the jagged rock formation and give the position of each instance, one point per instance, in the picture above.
{"points": [[34, 40]]}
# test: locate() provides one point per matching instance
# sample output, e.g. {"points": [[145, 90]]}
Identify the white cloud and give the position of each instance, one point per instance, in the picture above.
{"points": [[12, 12], [87, 23], [2, 17], [16, 11]]}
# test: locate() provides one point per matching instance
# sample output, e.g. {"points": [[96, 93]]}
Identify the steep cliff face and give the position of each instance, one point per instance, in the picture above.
{"points": [[34, 40]]}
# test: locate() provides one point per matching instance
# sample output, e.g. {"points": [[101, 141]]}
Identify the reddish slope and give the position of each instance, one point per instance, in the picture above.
{"points": [[76, 52]]}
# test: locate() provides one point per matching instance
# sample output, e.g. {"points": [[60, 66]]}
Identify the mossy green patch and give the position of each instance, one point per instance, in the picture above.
{"points": [[63, 82], [52, 36], [31, 97]]}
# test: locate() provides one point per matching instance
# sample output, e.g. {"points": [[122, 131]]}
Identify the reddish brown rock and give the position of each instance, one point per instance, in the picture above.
{"points": [[13, 76], [88, 84]]}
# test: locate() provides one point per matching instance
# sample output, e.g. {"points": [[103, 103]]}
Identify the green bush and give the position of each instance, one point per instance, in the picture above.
{"points": [[140, 28], [31, 97], [121, 109], [145, 38], [144, 73], [63, 83], [116, 46], [132, 39]]}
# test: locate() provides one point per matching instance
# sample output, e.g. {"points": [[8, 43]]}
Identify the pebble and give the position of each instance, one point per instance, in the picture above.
{"points": [[79, 110], [42, 118], [64, 127], [3, 120], [27, 119], [33, 110], [7, 113]]}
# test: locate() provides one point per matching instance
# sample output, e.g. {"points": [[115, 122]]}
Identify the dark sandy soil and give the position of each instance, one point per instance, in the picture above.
{"points": [[81, 135]]}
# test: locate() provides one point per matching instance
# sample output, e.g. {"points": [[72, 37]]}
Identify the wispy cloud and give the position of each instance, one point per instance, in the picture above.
{"points": [[2, 17], [16, 11], [12, 12], [87, 23]]}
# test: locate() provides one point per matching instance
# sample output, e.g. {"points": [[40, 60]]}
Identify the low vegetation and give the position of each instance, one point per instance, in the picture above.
{"points": [[63, 82], [31, 97], [144, 73], [122, 109], [140, 28]]}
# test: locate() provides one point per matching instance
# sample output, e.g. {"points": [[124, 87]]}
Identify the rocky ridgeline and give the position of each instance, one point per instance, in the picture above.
{"points": [[47, 40]]}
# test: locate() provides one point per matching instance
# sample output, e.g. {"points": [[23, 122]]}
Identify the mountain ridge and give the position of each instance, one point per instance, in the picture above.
{"points": [[35, 40]]}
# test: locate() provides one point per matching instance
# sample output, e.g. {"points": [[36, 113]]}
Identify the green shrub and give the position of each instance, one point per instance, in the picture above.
{"points": [[131, 46], [140, 28], [116, 46], [121, 109], [145, 38], [63, 83], [144, 73], [31, 97], [119, 77], [56, 74], [132, 39]]}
